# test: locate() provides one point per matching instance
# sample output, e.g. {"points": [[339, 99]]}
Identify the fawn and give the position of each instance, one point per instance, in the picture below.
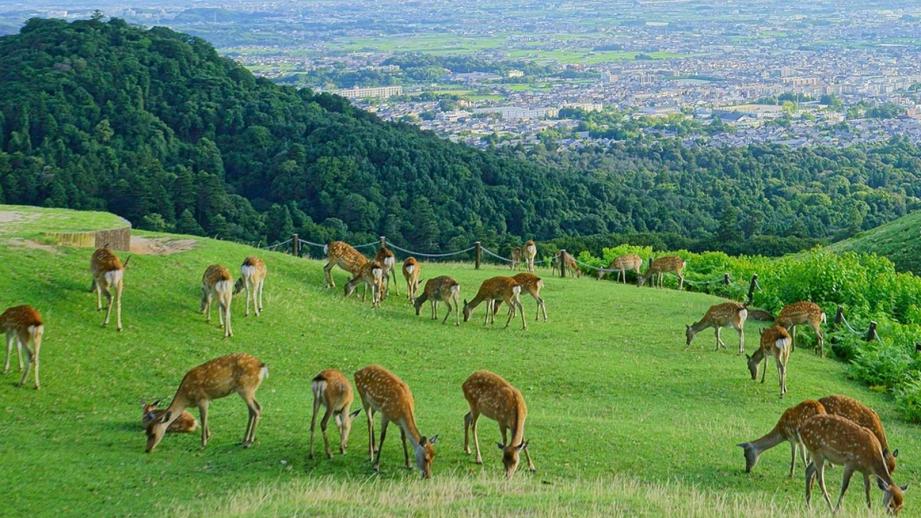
{"points": [[504, 289], [185, 423], [803, 312], [570, 264], [388, 262], [661, 266], [370, 274], [775, 341], [727, 314], [332, 390], [108, 277], [345, 256], [784, 430], [850, 408], [515, 261], [623, 264], [532, 284], [252, 278], [529, 250], [217, 283], [441, 289], [23, 324], [411, 272]]}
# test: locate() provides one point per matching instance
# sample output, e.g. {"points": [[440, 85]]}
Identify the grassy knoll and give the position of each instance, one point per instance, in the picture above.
{"points": [[621, 420], [26, 222], [899, 240]]}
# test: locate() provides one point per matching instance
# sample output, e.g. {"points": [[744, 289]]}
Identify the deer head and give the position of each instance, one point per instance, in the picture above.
{"points": [[511, 454], [893, 496], [425, 454]]}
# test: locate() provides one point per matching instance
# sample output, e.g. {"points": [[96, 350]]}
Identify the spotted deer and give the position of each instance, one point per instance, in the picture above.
{"points": [[332, 390], [370, 274], [529, 250], [383, 392], [775, 342], [515, 262], [850, 408], [661, 266], [623, 264], [569, 262], [240, 372], [388, 261], [252, 279], [490, 395], [109, 280], [785, 430], [441, 289], [185, 423], [217, 283], [343, 255], [532, 284], [837, 440], [727, 314], [411, 272], [23, 325], [504, 289], [804, 312]]}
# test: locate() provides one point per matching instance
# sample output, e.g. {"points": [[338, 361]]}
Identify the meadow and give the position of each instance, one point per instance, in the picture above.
{"points": [[622, 421]]}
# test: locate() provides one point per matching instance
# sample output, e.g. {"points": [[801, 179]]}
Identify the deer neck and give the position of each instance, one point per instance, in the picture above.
{"points": [[518, 428], [700, 325], [771, 439], [476, 301], [412, 433]]}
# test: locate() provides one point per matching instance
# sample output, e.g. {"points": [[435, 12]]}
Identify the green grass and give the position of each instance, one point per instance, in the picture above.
{"points": [[26, 222], [899, 240], [586, 57], [621, 422]]}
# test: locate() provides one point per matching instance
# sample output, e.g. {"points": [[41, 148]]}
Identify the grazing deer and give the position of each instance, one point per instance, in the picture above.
{"points": [[240, 372], [23, 324], [727, 314], [516, 258], [661, 266], [775, 342], [622, 264], [185, 423], [489, 394], [532, 284], [370, 274], [217, 283], [342, 254], [803, 312], [441, 289], [850, 408], [382, 391], [785, 430], [835, 439], [388, 261], [530, 252], [569, 262], [108, 277], [504, 289], [252, 278], [332, 390], [411, 271]]}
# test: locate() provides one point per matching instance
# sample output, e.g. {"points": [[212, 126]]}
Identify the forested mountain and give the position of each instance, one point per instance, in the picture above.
{"points": [[155, 126]]}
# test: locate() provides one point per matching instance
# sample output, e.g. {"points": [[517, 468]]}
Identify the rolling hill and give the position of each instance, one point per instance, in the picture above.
{"points": [[899, 240]]}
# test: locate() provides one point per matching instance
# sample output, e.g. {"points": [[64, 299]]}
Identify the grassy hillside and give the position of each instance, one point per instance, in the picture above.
{"points": [[621, 420], [899, 240]]}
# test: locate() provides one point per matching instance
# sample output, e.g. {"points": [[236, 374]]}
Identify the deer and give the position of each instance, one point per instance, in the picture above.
{"points": [[240, 372], [850, 408], [109, 280], [332, 390], [490, 395], [185, 423], [529, 250], [252, 279], [837, 440], [370, 274], [727, 314], [515, 261], [504, 289], [785, 430], [570, 264], [382, 391], [217, 283], [661, 266], [775, 341], [532, 284], [622, 264], [23, 325], [342, 254], [388, 261], [441, 289], [411, 272], [804, 312]]}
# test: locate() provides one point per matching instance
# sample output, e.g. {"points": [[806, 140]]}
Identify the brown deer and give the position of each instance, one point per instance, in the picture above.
{"points": [[252, 278], [411, 272], [490, 395], [727, 314], [850, 408], [569, 262], [388, 261], [804, 312], [661, 266], [109, 280], [784, 430], [185, 423], [22, 325], [622, 264], [240, 372], [382, 391], [504, 289], [332, 390], [441, 289], [529, 250], [217, 283], [342, 254], [532, 284], [370, 274], [837, 440], [515, 262], [775, 342]]}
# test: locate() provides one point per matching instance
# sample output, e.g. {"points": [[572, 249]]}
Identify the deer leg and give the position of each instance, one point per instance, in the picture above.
{"points": [[792, 458], [719, 339], [36, 345], [524, 324], [203, 415], [474, 420], [680, 281], [98, 289], [108, 307], [511, 312], [370, 415], [249, 292], [741, 330], [543, 307], [380, 445], [866, 490], [764, 368], [820, 339], [448, 312], [225, 309], [261, 287], [9, 352], [405, 449], [207, 309], [25, 371], [504, 432], [821, 475], [527, 454], [330, 283], [313, 425], [793, 342], [118, 306], [467, 418], [323, 426], [782, 374], [848, 471], [254, 412], [810, 480]]}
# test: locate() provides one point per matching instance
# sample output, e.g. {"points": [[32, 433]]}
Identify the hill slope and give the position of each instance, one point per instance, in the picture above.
{"points": [[620, 419], [899, 240]]}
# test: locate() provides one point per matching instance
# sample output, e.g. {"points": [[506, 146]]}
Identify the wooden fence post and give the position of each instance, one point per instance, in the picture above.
{"points": [[752, 286], [563, 263], [727, 280], [295, 246], [478, 254], [872, 335]]}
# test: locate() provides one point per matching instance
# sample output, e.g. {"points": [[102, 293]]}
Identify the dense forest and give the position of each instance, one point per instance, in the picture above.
{"points": [[155, 126]]}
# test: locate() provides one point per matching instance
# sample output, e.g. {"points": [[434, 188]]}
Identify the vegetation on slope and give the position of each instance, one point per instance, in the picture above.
{"points": [[899, 240]]}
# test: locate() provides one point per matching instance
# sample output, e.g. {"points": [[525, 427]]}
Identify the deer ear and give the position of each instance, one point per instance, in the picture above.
{"points": [[354, 414], [895, 452], [882, 485], [433, 439], [155, 403], [500, 445], [166, 416], [523, 445], [904, 488]]}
